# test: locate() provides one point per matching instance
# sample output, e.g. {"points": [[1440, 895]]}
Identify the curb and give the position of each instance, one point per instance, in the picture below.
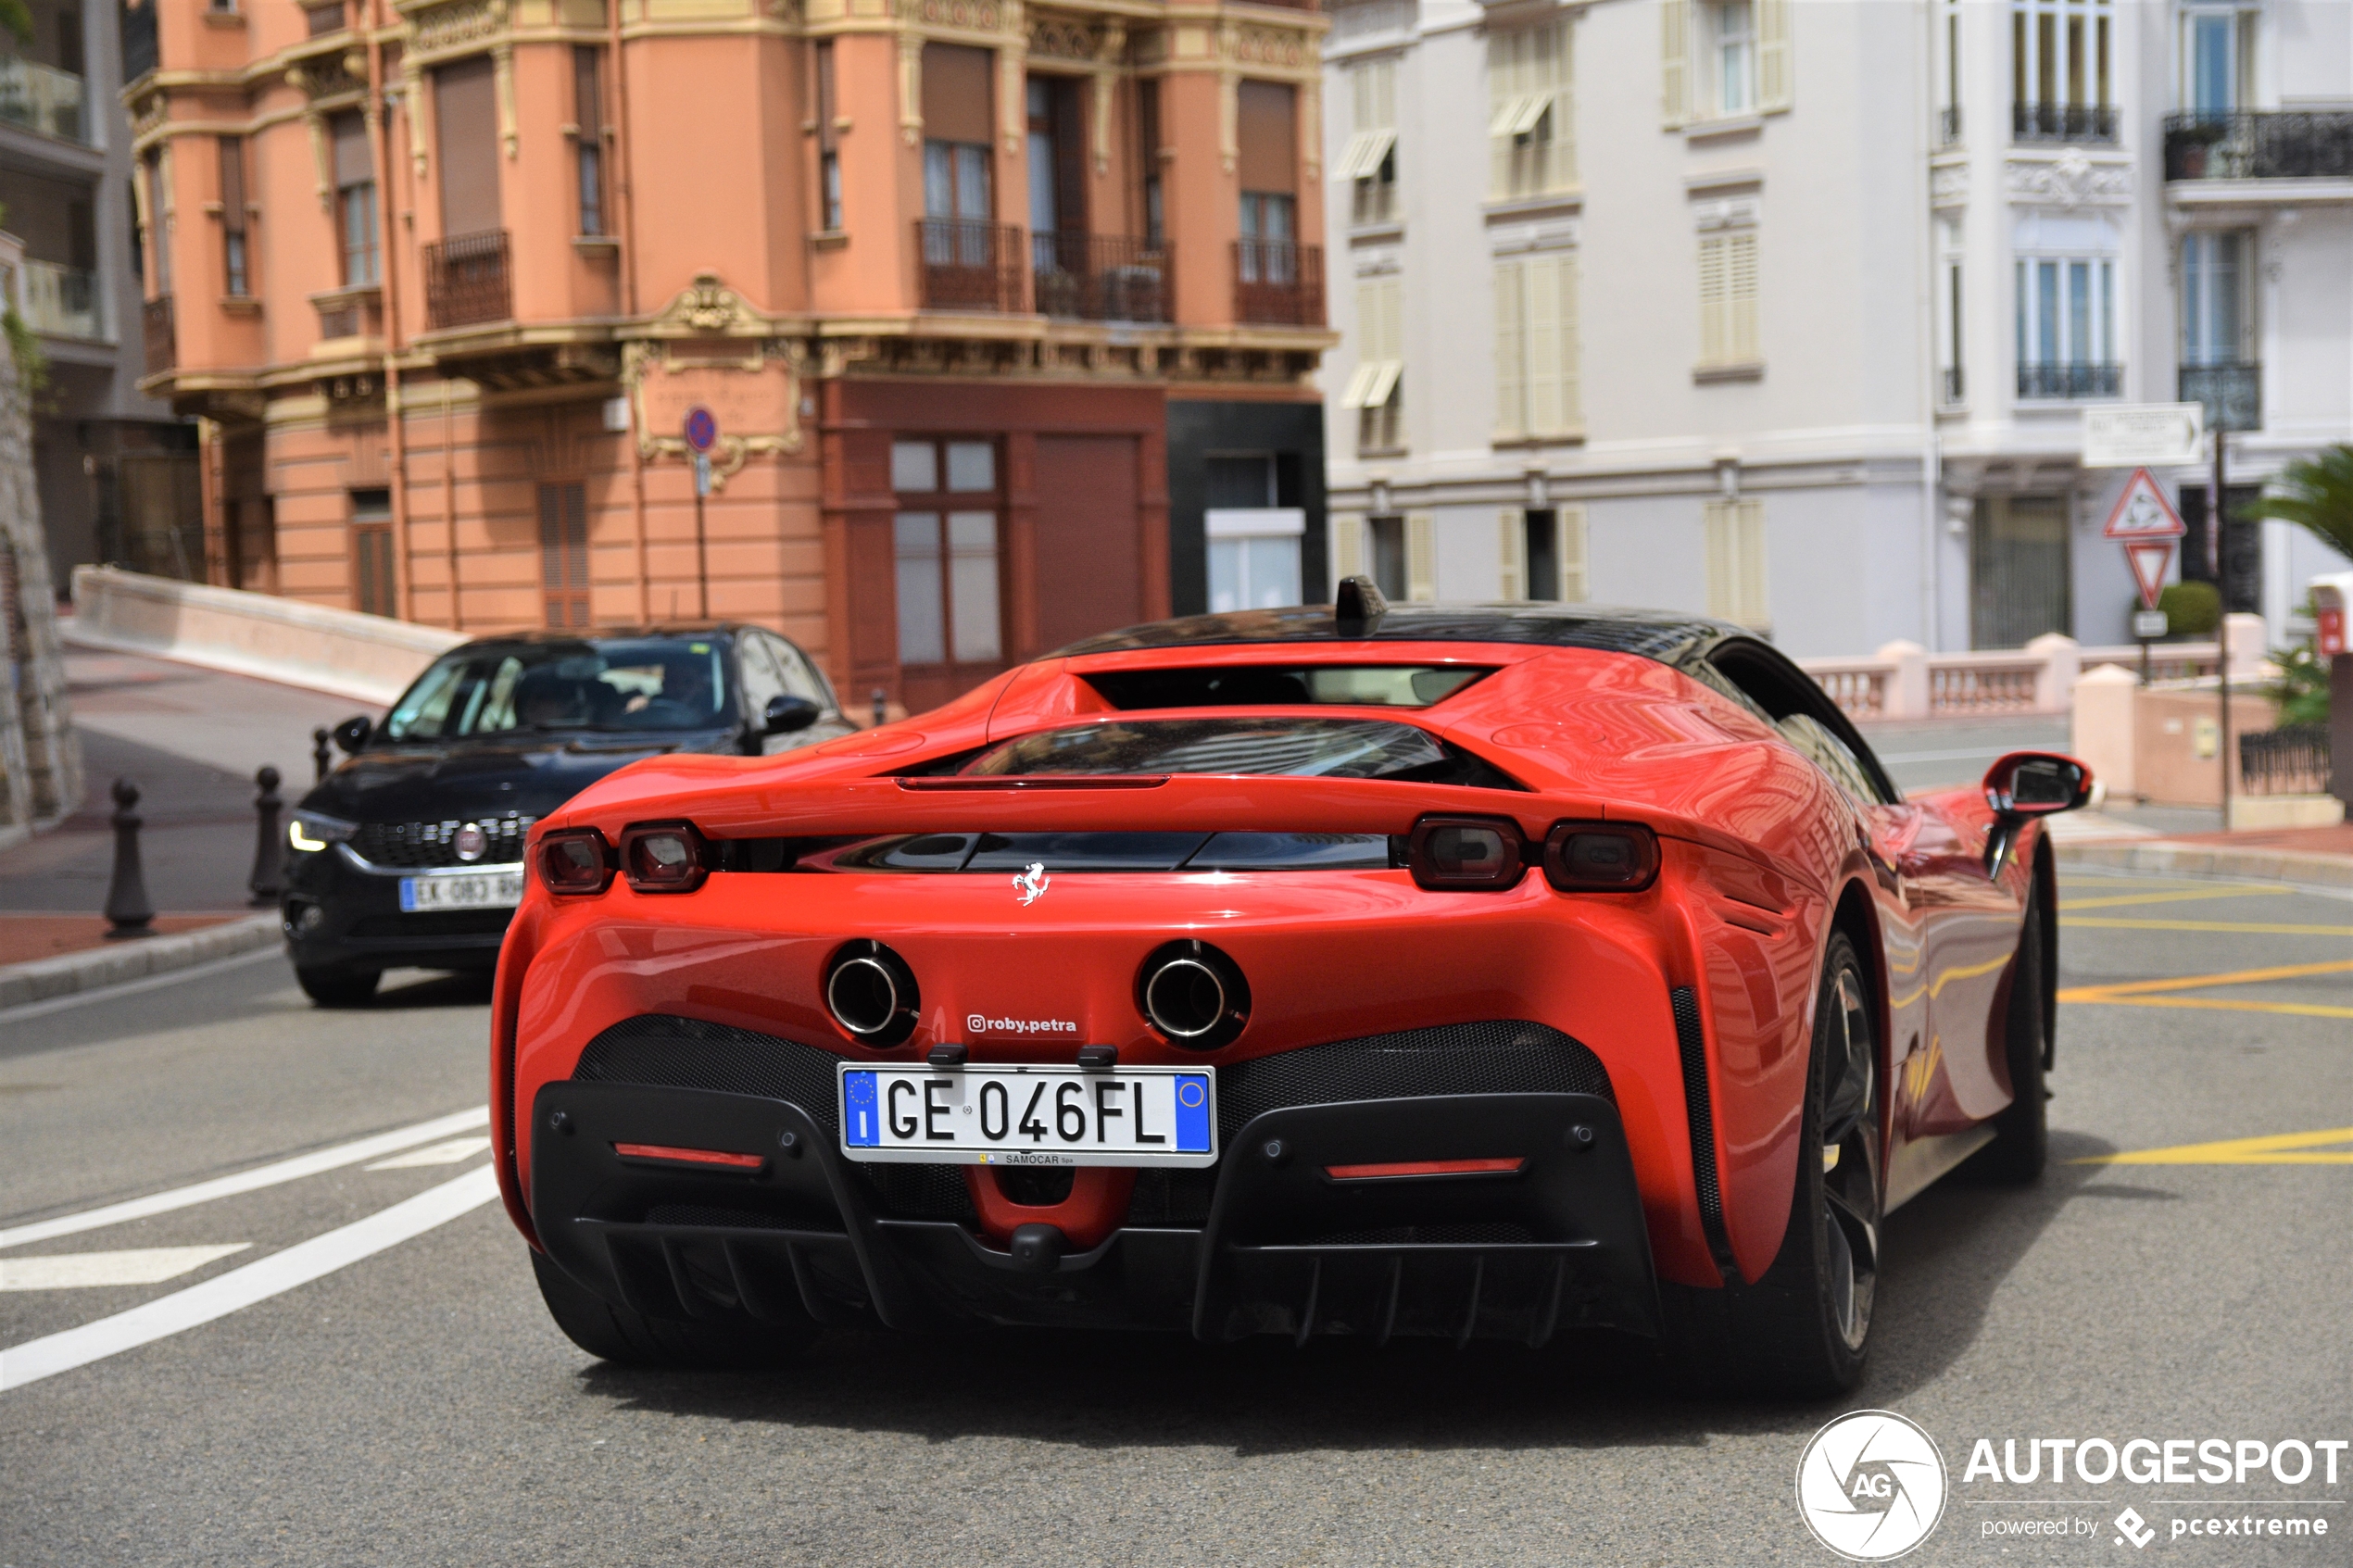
{"points": [[2307, 866], [70, 973]]}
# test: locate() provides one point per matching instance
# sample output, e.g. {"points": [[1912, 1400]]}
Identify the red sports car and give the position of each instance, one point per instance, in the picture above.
{"points": [[1467, 971]]}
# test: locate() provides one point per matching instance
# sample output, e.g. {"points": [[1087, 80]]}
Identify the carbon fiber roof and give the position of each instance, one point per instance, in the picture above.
{"points": [[1664, 635]]}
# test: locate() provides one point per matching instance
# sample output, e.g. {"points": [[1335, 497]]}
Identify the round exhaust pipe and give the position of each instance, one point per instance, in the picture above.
{"points": [[1194, 995], [871, 994]]}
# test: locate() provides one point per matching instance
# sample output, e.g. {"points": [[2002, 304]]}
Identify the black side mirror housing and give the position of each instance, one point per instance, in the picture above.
{"points": [[354, 733], [785, 714]]}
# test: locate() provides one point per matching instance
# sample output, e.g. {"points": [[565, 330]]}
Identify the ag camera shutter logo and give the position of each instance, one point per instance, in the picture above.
{"points": [[1871, 1486]]}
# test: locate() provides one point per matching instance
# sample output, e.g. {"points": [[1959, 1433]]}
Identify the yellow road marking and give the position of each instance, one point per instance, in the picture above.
{"points": [[2254, 928], [2219, 1004], [2149, 993], [2190, 896], [2274, 1149]]}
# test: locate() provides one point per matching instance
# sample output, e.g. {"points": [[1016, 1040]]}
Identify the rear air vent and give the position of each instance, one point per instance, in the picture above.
{"points": [[1691, 1042]]}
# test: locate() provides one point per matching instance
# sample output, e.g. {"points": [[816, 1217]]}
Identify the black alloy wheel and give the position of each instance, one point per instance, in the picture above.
{"points": [[338, 987]]}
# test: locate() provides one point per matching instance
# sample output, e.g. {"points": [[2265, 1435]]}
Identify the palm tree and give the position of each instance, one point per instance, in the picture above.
{"points": [[2316, 492], [15, 20]]}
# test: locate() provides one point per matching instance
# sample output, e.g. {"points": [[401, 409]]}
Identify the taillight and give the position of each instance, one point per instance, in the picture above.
{"points": [[1475, 854], [1601, 857], [663, 858], [575, 860]]}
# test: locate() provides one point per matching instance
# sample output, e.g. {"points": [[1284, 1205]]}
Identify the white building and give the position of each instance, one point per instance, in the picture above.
{"points": [[1788, 310]]}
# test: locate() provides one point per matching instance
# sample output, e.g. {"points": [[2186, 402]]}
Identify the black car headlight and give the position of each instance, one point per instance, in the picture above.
{"points": [[311, 831]]}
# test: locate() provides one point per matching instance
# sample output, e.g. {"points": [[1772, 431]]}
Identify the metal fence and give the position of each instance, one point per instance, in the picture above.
{"points": [[2288, 761], [467, 279], [2293, 145]]}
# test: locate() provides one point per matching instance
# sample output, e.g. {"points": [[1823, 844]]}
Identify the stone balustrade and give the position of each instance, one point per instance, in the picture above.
{"points": [[1904, 681]]}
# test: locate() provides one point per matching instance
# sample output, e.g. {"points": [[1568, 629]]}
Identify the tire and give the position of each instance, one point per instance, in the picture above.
{"points": [[338, 987], [617, 1334], [2022, 1132], [1804, 1330]]}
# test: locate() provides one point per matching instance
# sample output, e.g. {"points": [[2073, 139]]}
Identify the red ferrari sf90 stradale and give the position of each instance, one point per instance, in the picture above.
{"points": [[1463, 971]]}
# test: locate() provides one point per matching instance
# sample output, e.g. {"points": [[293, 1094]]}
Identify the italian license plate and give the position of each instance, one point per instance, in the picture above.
{"points": [[468, 890], [1030, 1115]]}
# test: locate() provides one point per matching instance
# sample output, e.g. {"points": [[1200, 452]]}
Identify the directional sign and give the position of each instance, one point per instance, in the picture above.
{"points": [[2143, 513], [2124, 435], [702, 428], [2149, 559]]}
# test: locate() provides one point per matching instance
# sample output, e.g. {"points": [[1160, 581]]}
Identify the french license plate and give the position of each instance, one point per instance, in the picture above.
{"points": [[469, 890], [1030, 1115]]}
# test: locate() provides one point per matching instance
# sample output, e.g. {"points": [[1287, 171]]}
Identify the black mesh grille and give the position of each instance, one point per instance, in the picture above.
{"points": [[433, 923], [922, 1192], [684, 1053], [727, 1219], [1691, 1042], [408, 845], [1501, 1232], [1172, 1198], [1502, 1057]]}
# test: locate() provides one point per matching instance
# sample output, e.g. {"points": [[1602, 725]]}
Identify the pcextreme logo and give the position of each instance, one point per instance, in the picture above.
{"points": [[1871, 1486]]}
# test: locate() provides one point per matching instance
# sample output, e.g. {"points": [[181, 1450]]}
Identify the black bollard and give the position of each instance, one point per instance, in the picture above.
{"points": [[128, 908], [268, 855], [319, 755], [881, 706]]}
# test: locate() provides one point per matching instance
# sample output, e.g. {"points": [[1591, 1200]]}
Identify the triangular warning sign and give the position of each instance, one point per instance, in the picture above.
{"points": [[2143, 513], [2149, 557]]}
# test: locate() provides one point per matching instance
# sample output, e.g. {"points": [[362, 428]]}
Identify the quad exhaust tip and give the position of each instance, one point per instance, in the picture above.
{"points": [[1194, 995], [871, 994]]}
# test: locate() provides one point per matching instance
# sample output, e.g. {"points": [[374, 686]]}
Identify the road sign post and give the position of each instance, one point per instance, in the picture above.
{"points": [[2144, 522], [702, 434]]}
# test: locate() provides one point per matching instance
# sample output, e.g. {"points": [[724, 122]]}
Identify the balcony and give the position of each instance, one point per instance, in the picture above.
{"points": [[41, 98], [2062, 122], [969, 264], [1277, 283], [2070, 381], [2315, 144], [354, 311], [63, 301], [469, 280], [2233, 394], [1099, 278], [161, 338]]}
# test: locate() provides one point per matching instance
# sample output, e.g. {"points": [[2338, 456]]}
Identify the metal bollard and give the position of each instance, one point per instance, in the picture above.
{"points": [[128, 907], [268, 854], [321, 758], [881, 706]]}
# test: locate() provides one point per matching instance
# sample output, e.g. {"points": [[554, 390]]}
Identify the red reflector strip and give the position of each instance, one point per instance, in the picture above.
{"points": [[1423, 1168], [690, 1156]]}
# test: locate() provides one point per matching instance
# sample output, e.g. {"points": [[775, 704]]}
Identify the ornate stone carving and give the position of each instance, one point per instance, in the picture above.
{"points": [[969, 16], [456, 25], [1266, 47], [1062, 38], [707, 305], [1948, 185], [327, 76], [2070, 180]]}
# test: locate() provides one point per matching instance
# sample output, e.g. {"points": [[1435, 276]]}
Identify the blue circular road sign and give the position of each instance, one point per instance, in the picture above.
{"points": [[701, 429]]}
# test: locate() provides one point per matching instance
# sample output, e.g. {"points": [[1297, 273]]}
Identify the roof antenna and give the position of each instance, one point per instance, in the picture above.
{"points": [[1358, 606]]}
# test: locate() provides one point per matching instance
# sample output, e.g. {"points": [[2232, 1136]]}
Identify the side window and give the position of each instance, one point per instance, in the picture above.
{"points": [[1830, 754], [800, 678], [1805, 715], [760, 677]]}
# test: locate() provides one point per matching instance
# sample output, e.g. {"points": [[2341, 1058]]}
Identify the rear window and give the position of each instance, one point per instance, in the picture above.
{"points": [[1285, 686], [1331, 749]]}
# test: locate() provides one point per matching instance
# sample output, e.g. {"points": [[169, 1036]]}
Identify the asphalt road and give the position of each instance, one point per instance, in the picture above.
{"points": [[412, 1404]]}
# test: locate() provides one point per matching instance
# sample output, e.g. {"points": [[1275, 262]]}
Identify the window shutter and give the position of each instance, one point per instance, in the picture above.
{"points": [[1543, 347], [1511, 525], [1348, 544], [1736, 583], [1740, 293], [1772, 55], [1714, 314], [1749, 521], [1569, 548], [1510, 371], [1722, 567], [1501, 98], [1572, 397], [1561, 87], [1675, 27], [1421, 557]]}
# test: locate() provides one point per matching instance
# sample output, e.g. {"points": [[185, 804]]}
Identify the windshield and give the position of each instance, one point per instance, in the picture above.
{"points": [[1332, 748], [606, 685]]}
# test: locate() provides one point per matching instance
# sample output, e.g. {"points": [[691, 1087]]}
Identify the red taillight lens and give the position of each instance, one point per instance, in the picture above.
{"points": [[574, 861], [663, 858], [1601, 857], [1409, 1168], [1476, 854], [671, 1155]]}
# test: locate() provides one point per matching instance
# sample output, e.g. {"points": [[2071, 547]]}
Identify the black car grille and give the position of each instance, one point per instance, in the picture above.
{"points": [[433, 923], [1502, 1057], [408, 846]]}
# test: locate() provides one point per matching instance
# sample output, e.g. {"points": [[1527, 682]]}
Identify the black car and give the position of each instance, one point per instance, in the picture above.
{"points": [[410, 853]]}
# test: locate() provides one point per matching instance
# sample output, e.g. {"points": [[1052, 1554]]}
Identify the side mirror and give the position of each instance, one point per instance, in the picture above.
{"points": [[785, 714], [353, 734], [2028, 784]]}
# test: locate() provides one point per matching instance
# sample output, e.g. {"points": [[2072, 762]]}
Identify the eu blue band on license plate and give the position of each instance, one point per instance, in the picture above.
{"points": [[1029, 1114]]}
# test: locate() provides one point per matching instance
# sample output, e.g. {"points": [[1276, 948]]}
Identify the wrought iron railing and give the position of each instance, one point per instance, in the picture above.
{"points": [[2070, 381], [64, 300], [2287, 761], [969, 264], [2291, 145], [1277, 283], [2062, 122], [469, 280], [1099, 276], [161, 338], [2233, 395]]}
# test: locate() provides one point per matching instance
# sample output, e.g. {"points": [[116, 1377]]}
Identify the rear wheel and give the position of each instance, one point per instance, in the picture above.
{"points": [[338, 987], [1804, 1328], [2022, 1132], [617, 1334]]}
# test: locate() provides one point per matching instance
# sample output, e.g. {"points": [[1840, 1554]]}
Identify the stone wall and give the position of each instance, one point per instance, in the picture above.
{"points": [[40, 755]]}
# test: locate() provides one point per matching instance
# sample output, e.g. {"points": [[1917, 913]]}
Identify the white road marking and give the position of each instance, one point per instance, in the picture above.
{"points": [[257, 1280], [435, 1154], [132, 987], [247, 1180], [140, 1265]]}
